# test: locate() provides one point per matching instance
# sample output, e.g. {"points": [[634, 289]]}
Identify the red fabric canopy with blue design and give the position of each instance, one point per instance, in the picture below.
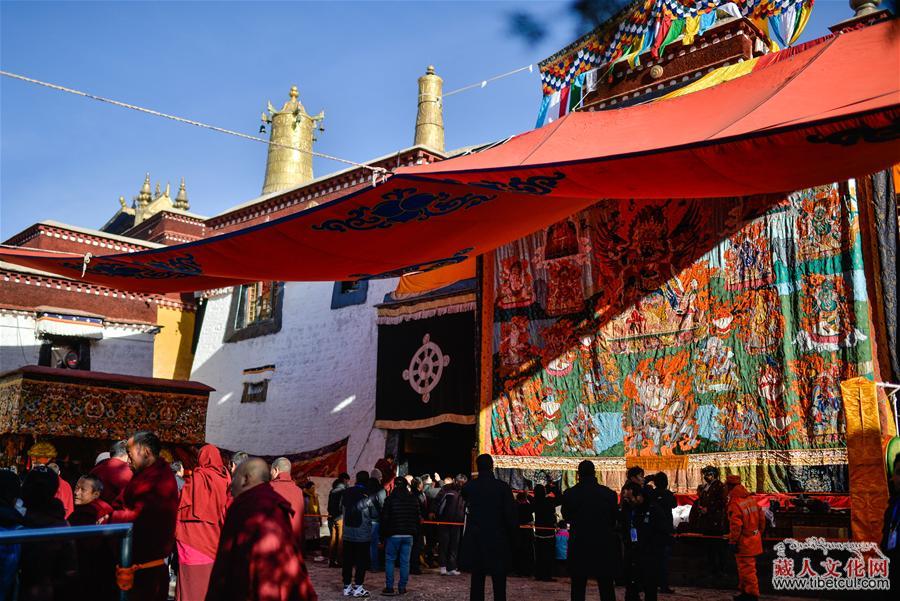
{"points": [[827, 113]]}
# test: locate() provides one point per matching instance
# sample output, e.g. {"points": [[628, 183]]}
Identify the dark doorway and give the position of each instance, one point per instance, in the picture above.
{"points": [[446, 449]]}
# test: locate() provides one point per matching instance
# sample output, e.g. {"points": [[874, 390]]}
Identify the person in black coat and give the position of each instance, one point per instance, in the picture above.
{"points": [[523, 556], [400, 519], [662, 502], [545, 530], [490, 530], [590, 509]]}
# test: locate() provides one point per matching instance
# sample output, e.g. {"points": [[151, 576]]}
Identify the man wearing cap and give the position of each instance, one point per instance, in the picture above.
{"points": [[747, 522]]}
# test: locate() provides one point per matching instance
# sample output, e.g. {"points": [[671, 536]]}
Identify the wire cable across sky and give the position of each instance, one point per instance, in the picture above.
{"points": [[134, 107], [375, 170]]}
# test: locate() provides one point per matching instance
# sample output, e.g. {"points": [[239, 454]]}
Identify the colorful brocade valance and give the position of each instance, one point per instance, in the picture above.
{"points": [[649, 26]]}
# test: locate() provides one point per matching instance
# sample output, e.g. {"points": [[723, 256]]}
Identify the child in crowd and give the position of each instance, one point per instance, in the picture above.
{"points": [[562, 547]]}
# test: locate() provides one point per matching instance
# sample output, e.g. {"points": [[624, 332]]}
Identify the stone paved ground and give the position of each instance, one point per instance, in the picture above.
{"points": [[433, 587]]}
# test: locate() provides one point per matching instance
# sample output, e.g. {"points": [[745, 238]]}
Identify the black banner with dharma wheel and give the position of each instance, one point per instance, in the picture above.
{"points": [[426, 372]]}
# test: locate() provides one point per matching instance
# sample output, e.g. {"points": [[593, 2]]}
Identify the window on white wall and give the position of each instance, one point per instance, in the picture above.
{"points": [[255, 311], [256, 383], [255, 392], [65, 353], [349, 293]]}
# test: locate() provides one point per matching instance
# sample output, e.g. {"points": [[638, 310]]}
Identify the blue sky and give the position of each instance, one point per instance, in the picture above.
{"points": [[69, 159]]}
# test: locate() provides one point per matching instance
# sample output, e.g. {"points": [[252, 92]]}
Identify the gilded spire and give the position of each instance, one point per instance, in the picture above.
{"points": [[430, 116], [144, 197], [290, 127], [181, 201]]}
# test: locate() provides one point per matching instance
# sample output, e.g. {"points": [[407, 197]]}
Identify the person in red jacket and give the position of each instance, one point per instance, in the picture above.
{"points": [[283, 484], [201, 514], [258, 558], [64, 492], [114, 473], [150, 501], [747, 522]]}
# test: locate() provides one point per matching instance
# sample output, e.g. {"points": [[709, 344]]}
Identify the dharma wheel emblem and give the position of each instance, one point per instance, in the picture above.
{"points": [[426, 368]]}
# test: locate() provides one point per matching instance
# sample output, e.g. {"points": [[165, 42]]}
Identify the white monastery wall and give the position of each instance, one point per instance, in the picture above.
{"points": [[323, 385], [122, 350]]}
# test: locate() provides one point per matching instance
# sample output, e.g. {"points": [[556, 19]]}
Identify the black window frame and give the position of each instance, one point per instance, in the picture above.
{"points": [[255, 397]]}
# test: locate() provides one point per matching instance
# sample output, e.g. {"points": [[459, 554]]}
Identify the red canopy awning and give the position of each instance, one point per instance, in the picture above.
{"points": [[824, 114]]}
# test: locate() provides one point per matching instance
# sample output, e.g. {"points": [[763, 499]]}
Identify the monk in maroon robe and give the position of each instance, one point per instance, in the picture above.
{"points": [[201, 515], [89, 507], [115, 474], [284, 485], [150, 502], [96, 555], [388, 470], [64, 492], [258, 558]]}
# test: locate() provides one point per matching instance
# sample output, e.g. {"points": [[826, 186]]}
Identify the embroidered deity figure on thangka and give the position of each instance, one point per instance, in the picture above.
{"points": [[827, 323], [818, 388], [672, 315], [599, 372], [580, 432], [516, 288], [715, 368], [515, 342], [740, 423], [760, 320], [564, 256], [825, 226], [659, 415], [748, 258], [770, 387]]}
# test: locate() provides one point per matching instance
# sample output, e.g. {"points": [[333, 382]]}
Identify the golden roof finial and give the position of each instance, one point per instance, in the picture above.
{"points": [[430, 115], [156, 194], [122, 201], [291, 128], [181, 201], [144, 197], [168, 190]]}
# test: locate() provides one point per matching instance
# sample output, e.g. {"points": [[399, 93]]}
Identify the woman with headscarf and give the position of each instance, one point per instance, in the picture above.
{"points": [[201, 514]]}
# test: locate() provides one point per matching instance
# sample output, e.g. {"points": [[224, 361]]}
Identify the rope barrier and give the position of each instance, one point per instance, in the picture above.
{"points": [[375, 170], [687, 535]]}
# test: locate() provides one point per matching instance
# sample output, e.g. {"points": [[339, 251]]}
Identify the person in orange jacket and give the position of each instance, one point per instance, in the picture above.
{"points": [[747, 522]]}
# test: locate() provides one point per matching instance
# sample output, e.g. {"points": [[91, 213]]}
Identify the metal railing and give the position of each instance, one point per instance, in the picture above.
{"points": [[34, 535]]}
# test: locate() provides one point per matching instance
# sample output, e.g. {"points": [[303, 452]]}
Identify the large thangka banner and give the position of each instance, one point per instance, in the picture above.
{"points": [[684, 333]]}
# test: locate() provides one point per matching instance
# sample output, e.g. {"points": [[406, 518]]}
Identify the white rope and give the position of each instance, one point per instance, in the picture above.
{"points": [[374, 170], [483, 83]]}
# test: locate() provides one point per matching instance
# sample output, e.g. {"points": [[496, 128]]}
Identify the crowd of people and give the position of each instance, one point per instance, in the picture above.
{"points": [[229, 533], [479, 525], [236, 532]]}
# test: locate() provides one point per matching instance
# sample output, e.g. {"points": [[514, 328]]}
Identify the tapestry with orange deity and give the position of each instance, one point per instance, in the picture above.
{"points": [[679, 334]]}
